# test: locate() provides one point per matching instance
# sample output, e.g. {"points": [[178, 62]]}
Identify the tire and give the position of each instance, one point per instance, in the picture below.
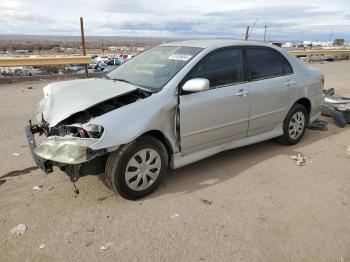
{"points": [[136, 169], [293, 133]]}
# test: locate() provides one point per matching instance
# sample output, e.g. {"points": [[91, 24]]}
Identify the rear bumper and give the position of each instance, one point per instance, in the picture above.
{"points": [[44, 164]]}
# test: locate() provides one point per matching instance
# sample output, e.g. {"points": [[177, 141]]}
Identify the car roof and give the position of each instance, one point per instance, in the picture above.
{"points": [[215, 43]]}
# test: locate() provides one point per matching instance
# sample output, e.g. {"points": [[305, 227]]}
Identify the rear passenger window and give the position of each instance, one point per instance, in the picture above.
{"points": [[221, 67], [265, 63]]}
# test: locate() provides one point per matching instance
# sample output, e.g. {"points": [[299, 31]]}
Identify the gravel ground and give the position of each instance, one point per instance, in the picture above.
{"points": [[247, 204]]}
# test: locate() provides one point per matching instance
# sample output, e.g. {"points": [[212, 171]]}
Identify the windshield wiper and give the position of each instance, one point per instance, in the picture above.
{"points": [[107, 77]]}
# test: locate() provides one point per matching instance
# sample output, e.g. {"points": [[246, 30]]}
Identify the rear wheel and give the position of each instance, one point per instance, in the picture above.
{"points": [[136, 169], [294, 125]]}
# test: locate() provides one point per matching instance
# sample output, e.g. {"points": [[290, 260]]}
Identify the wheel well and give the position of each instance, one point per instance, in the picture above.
{"points": [[160, 136], [306, 103]]}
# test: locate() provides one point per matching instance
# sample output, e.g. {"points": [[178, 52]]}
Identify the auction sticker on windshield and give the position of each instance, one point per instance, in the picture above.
{"points": [[180, 57]]}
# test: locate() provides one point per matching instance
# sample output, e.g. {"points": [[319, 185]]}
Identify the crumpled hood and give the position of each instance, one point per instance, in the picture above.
{"points": [[63, 99]]}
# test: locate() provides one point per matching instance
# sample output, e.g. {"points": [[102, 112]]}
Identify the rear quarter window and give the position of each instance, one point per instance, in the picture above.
{"points": [[266, 63]]}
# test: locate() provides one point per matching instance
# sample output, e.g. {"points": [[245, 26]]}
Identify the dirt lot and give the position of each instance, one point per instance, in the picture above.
{"points": [[260, 206]]}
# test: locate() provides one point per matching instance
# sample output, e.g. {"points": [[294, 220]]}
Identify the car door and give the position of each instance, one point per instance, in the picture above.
{"points": [[271, 86], [220, 114]]}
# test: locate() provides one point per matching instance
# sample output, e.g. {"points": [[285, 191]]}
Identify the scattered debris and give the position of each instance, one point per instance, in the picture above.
{"points": [[206, 202], [300, 159], [38, 188], [42, 246], [104, 198], [348, 150], [29, 87], [51, 188], [261, 218], [88, 243], [90, 230], [17, 154], [3, 221], [2, 181], [19, 229], [174, 216], [107, 246], [318, 125]]}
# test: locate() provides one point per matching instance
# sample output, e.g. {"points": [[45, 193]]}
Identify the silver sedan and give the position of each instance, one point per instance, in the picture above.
{"points": [[173, 105]]}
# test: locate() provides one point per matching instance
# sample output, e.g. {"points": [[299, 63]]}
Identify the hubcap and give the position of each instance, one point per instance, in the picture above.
{"points": [[296, 125], [142, 169]]}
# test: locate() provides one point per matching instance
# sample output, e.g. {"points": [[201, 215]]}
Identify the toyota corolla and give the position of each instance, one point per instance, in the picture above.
{"points": [[173, 105]]}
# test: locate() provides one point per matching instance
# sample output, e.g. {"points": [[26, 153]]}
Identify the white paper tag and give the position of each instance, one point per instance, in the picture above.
{"points": [[180, 57]]}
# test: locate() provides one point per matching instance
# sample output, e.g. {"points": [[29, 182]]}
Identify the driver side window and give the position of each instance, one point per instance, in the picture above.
{"points": [[221, 67]]}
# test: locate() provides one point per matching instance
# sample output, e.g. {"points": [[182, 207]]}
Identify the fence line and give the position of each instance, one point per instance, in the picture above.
{"points": [[64, 60]]}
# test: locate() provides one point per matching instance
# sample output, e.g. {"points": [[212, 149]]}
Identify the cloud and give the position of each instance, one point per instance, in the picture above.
{"points": [[181, 18], [10, 4]]}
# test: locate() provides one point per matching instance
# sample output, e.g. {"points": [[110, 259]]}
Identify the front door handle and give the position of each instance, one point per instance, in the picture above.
{"points": [[242, 92]]}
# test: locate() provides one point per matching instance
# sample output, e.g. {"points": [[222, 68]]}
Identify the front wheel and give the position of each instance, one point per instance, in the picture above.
{"points": [[136, 169], [294, 125]]}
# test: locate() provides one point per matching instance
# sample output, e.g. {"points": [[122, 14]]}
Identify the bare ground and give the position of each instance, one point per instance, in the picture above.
{"points": [[260, 206]]}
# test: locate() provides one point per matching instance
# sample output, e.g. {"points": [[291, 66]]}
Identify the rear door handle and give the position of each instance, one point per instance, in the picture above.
{"points": [[242, 92], [290, 83]]}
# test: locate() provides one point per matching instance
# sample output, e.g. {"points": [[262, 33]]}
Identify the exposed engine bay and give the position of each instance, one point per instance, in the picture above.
{"points": [[77, 125], [105, 107]]}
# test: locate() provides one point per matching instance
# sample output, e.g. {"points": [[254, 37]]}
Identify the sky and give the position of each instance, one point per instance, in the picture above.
{"points": [[286, 20]]}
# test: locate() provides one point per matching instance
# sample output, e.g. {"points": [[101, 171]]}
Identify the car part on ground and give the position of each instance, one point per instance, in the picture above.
{"points": [[332, 101], [341, 118], [318, 125], [336, 107]]}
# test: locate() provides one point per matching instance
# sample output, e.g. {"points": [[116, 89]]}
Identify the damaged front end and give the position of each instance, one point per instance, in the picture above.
{"points": [[65, 116], [65, 150], [64, 145]]}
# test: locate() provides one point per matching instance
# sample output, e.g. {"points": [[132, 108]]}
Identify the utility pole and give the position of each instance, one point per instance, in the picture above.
{"points": [[83, 45], [265, 33], [103, 47], [246, 33]]}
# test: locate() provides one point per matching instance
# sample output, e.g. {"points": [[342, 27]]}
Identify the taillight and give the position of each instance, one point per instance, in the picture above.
{"points": [[322, 79]]}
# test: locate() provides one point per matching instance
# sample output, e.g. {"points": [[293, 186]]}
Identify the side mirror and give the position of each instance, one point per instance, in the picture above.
{"points": [[196, 85]]}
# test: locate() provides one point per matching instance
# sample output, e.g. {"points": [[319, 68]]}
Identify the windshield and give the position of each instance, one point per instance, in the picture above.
{"points": [[153, 68]]}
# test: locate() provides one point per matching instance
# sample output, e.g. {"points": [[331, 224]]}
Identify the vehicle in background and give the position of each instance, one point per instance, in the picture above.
{"points": [[18, 71], [101, 66], [100, 59], [173, 105], [125, 57], [321, 58], [74, 68], [115, 62], [92, 66]]}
